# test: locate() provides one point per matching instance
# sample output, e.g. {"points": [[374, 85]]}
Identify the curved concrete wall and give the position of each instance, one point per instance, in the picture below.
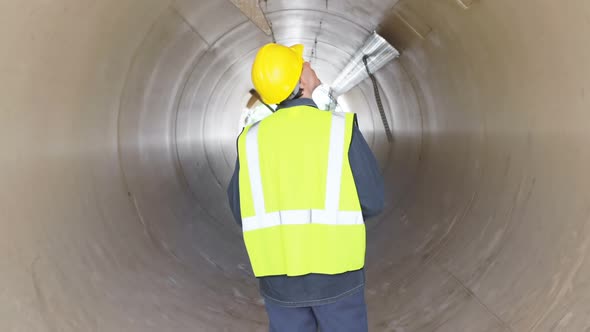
{"points": [[118, 126]]}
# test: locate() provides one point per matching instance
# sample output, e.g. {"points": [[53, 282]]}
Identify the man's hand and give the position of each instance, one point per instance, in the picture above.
{"points": [[309, 80]]}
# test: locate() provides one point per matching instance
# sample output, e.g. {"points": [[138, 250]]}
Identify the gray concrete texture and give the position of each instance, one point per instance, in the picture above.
{"points": [[118, 121]]}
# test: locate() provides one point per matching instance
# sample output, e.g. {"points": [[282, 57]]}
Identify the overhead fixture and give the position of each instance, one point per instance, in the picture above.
{"points": [[378, 53], [375, 53]]}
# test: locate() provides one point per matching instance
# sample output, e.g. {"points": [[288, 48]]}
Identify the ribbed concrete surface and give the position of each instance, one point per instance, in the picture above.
{"points": [[117, 126]]}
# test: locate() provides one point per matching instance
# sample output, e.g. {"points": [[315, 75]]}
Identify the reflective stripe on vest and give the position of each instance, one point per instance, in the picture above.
{"points": [[330, 215]]}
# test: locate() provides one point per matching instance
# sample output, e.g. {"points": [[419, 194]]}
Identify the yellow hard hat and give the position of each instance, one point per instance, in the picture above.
{"points": [[276, 71]]}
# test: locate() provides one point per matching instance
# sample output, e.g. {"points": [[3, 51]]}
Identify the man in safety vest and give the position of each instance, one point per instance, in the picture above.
{"points": [[304, 183]]}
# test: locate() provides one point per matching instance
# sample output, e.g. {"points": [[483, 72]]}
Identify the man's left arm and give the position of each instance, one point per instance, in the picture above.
{"points": [[367, 175]]}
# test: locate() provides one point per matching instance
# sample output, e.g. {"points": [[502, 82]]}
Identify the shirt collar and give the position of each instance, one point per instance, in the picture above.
{"points": [[297, 102]]}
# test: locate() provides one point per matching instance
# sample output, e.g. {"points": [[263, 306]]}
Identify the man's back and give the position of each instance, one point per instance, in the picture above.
{"points": [[300, 209], [319, 288]]}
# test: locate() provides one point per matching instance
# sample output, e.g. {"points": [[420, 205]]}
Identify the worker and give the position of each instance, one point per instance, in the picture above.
{"points": [[304, 182]]}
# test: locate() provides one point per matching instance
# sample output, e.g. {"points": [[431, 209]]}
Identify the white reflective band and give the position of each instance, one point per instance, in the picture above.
{"points": [[254, 170], [330, 215], [302, 217], [335, 155]]}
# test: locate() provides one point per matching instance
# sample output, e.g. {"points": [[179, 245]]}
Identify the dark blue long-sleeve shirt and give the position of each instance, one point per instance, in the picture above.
{"points": [[317, 289]]}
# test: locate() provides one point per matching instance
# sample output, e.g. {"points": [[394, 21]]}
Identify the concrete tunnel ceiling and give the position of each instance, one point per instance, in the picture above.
{"points": [[118, 126]]}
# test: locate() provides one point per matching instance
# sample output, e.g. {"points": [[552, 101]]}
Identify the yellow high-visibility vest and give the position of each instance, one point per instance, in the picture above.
{"points": [[300, 208]]}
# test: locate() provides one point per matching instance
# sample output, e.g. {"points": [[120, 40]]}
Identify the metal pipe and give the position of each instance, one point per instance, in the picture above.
{"points": [[118, 126]]}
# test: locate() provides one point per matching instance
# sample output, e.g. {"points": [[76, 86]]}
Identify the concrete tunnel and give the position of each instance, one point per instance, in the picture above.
{"points": [[118, 123]]}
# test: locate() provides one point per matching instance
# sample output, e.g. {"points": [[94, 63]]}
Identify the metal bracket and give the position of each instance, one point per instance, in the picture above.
{"points": [[252, 10], [465, 4]]}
